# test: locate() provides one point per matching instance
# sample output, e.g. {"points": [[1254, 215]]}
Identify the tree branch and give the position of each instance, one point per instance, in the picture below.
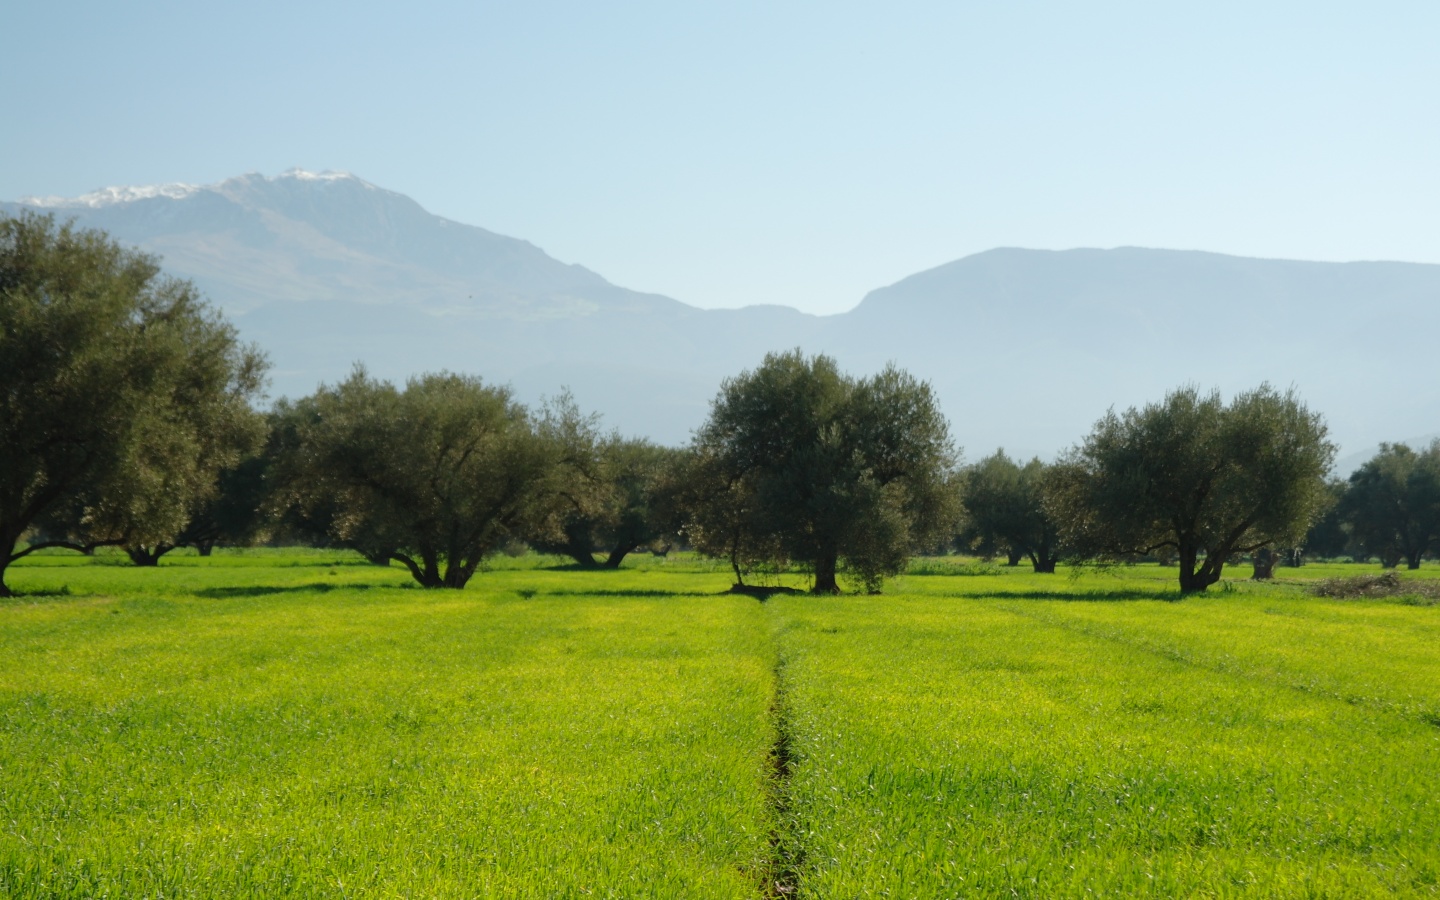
{"points": [[409, 564]]}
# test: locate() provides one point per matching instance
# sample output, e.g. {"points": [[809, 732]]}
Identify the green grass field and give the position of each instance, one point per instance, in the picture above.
{"points": [[269, 724]]}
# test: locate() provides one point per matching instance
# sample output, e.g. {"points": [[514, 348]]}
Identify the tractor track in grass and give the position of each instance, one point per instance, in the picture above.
{"points": [[782, 878], [1229, 668]]}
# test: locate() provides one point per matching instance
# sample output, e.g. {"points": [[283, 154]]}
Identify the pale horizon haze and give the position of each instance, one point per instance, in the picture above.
{"points": [[792, 153]]}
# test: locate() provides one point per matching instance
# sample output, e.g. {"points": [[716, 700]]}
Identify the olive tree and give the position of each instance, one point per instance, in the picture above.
{"points": [[714, 507], [616, 516], [437, 476], [1392, 504], [124, 393], [1196, 476], [809, 465], [1004, 507]]}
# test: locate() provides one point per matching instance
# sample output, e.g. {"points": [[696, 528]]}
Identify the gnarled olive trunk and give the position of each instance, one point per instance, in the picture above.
{"points": [[1197, 575], [1044, 558], [1264, 561], [148, 556], [617, 556]]}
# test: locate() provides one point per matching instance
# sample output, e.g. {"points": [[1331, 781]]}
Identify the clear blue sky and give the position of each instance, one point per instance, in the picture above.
{"points": [[796, 153]]}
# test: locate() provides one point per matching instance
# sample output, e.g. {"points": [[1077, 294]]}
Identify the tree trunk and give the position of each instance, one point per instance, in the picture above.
{"points": [[1013, 557], [735, 559], [1264, 564], [377, 559], [1195, 579], [1295, 557], [8, 540], [431, 576], [146, 557], [825, 576], [1412, 560], [456, 576], [205, 548], [617, 556], [1044, 559], [579, 547], [1389, 559]]}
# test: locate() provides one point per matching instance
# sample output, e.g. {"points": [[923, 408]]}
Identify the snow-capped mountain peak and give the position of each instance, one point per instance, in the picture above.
{"points": [[300, 174], [179, 190], [112, 195]]}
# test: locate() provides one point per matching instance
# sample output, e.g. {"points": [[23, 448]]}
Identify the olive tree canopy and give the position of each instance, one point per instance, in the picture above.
{"points": [[818, 467], [617, 516], [1195, 475], [1004, 506], [437, 476], [124, 393], [1393, 504]]}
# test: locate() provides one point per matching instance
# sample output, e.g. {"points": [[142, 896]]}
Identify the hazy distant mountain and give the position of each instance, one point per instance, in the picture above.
{"points": [[301, 236], [326, 270], [1026, 348], [1043, 338]]}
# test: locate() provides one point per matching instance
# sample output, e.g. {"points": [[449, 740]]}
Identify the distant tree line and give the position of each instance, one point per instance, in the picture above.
{"points": [[127, 419]]}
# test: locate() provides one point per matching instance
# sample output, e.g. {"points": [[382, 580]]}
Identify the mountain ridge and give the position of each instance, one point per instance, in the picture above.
{"points": [[1025, 348]]}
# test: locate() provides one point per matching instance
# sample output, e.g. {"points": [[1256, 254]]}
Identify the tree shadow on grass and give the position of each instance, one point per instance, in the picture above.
{"points": [[1118, 596], [763, 592], [319, 587], [615, 592], [63, 592]]}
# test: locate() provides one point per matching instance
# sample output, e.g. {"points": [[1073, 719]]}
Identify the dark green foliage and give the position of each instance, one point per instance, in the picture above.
{"points": [[1393, 504], [799, 462], [438, 476], [1004, 508], [1329, 537], [616, 516], [1193, 474], [711, 507], [124, 396]]}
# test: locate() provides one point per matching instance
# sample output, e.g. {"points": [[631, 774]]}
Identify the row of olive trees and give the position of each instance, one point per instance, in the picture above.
{"points": [[1388, 509], [127, 419], [1190, 478], [448, 471], [800, 463]]}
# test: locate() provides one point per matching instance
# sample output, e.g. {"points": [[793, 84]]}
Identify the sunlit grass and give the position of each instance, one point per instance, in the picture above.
{"points": [[269, 723], [328, 732], [1256, 742]]}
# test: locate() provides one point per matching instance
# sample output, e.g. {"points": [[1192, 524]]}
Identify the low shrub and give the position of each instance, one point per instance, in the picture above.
{"points": [[1386, 584]]}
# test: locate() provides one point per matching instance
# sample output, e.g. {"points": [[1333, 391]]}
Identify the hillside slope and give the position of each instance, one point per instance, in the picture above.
{"points": [[1026, 348]]}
